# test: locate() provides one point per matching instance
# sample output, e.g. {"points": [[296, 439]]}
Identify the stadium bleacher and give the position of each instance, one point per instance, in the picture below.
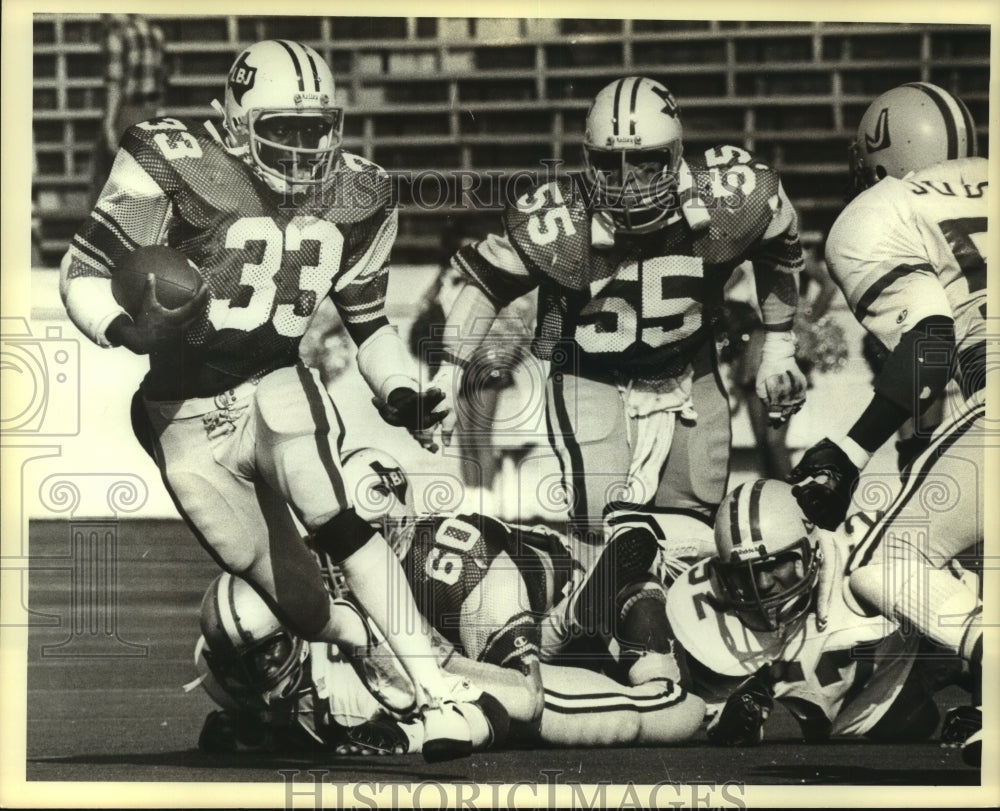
{"points": [[454, 95]]}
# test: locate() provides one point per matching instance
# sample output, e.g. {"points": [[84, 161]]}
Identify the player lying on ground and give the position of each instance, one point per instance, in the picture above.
{"points": [[772, 615], [907, 252], [279, 222], [630, 265], [485, 585]]}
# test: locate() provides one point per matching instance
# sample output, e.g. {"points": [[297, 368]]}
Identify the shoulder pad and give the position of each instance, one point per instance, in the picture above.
{"points": [[740, 194], [356, 190], [549, 228], [183, 155]]}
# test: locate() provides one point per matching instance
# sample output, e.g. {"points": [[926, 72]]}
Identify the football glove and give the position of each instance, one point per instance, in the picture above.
{"points": [[824, 481], [741, 721], [413, 410], [780, 384]]}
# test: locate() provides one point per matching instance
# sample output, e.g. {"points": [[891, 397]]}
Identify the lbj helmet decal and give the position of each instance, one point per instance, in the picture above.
{"points": [[242, 77]]}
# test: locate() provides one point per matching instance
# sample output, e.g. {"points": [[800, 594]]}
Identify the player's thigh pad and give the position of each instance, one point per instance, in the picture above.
{"points": [[298, 434], [219, 505], [588, 433], [938, 511]]}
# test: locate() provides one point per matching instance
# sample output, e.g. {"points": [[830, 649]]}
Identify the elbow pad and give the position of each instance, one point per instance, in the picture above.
{"points": [[919, 367]]}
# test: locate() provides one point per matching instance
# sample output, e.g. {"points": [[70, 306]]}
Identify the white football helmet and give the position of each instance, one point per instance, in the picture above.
{"points": [[632, 152], [289, 85], [758, 527], [252, 657], [909, 128], [381, 492]]}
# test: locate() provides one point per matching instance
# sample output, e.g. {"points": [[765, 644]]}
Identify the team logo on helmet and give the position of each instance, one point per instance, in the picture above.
{"points": [[881, 139], [670, 106], [392, 479], [242, 77]]}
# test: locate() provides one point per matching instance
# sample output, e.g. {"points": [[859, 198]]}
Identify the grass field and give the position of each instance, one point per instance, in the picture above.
{"points": [[105, 700]]}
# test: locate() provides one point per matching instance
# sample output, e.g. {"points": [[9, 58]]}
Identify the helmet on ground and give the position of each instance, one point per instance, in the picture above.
{"points": [[279, 103], [768, 557], [251, 656], [909, 128], [382, 495], [632, 152]]}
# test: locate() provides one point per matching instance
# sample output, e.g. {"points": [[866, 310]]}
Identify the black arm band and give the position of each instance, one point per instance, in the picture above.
{"points": [[919, 367], [877, 423], [343, 535]]}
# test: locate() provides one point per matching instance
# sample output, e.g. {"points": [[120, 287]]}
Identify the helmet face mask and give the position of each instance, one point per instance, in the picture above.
{"points": [[292, 146], [907, 129], [771, 593], [767, 563], [632, 153], [252, 657], [289, 83]]}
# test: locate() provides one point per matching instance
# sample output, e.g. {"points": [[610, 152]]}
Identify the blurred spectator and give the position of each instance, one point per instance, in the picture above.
{"points": [[135, 85]]}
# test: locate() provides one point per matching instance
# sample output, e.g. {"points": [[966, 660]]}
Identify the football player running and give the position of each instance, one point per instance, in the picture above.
{"points": [[629, 264], [278, 219], [907, 252], [771, 615], [484, 585]]}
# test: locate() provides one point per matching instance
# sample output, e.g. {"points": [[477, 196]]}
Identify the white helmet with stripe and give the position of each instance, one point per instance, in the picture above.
{"points": [[289, 85], [632, 151], [252, 657], [382, 495], [759, 528], [909, 128]]}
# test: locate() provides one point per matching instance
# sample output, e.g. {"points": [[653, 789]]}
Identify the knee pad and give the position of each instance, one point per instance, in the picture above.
{"points": [[343, 535]]}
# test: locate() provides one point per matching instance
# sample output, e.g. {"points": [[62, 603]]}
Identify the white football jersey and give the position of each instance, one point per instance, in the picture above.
{"points": [[851, 671], [907, 249]]}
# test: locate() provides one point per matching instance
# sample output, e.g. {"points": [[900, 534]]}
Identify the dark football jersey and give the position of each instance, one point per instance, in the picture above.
{"points": [[268, 258], [484, 584], [639, 304]]}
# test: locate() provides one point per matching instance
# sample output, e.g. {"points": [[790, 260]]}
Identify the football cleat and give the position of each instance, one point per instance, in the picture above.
{"points": [[741, 721], [963, 727], [383, 735], [627, 557], [447, 734]]}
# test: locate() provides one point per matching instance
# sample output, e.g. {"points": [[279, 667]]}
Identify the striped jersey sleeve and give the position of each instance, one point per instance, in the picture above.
{"points": [[779, 248], [133, 210], [493, 265], [360, 290]]}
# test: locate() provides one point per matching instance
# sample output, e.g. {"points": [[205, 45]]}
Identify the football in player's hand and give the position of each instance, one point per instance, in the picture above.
{"points": [[177, 280]]}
